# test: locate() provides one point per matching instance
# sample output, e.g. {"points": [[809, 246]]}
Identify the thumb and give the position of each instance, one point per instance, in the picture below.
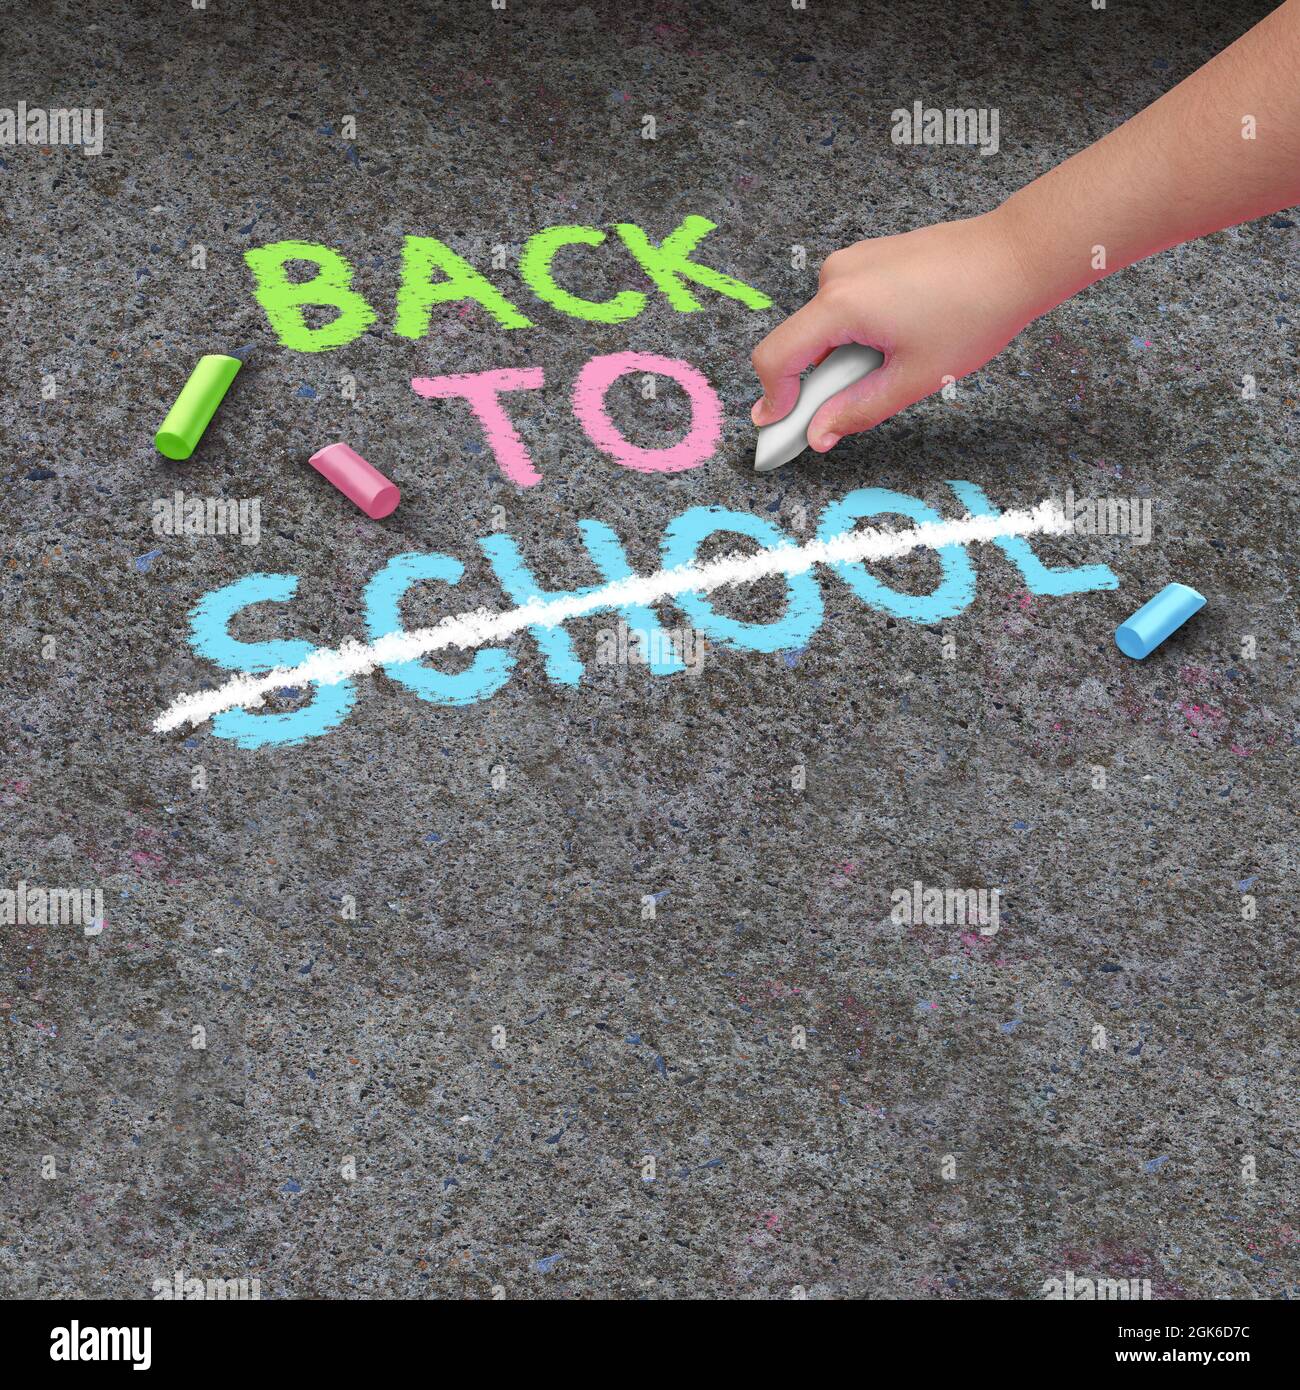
{"points": [[868, 402]]}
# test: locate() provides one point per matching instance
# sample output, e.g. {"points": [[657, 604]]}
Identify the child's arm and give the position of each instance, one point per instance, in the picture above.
{"points": [[940, 301]]}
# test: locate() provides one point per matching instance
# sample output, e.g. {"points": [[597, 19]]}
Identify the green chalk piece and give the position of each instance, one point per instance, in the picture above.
{"points": [[196, 405]]}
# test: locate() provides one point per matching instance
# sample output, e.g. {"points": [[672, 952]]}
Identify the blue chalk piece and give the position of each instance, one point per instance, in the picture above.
{"points": [[1154, 621]]}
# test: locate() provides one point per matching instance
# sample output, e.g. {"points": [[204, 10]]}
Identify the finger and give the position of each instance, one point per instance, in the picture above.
{"points": [[867, 403], [805, 337]]}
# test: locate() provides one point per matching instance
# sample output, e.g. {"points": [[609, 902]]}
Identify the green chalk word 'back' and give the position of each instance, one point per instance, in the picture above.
{"points": [[668, 266]]}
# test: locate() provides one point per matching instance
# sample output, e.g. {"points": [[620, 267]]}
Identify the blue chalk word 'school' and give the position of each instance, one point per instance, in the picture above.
{"points": [[491, 667]]}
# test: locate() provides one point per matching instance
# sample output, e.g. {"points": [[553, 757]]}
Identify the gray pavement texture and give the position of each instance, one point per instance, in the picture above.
{"points": [[501, 1035]]}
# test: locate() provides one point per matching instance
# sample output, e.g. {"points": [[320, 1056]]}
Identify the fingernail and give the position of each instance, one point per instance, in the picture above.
{"points": [[759, 408], [827, 441]]}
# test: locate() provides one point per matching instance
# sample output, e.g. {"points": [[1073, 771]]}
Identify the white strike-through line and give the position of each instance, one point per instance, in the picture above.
{"points": [[328, 666]]}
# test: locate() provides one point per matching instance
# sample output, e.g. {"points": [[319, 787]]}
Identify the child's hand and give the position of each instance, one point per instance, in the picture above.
{"points": [[938, 302], [1220, 148]]}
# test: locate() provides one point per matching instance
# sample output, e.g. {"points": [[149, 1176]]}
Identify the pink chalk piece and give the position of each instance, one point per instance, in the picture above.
{"points": [[357, 479]]}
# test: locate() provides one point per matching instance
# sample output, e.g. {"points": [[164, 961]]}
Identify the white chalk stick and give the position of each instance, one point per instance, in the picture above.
{"points": [[788, 438]]}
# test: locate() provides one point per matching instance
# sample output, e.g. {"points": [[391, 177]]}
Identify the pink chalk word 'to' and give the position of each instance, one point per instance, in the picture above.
{"points": [[601, 373], [357, 479]]}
